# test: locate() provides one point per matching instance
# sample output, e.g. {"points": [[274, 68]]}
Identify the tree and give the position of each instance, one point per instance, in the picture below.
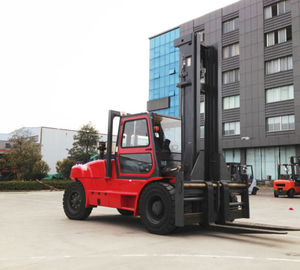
{"points": [[64, 167], [85, 144], [40, 170], [25, 158]]}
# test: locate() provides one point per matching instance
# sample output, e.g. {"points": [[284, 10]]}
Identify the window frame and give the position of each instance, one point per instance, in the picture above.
{"points": [[234, 74], [233, 98], [124, 155], [285, 35], [230, 25], [272, 93], [123, 130], [229, 129], [273, 38], [275, 10], [231, 50], [278, 120], [278, 64], [268, 12], [202, 131], [268, 39], [202, 107], [201, 35]]}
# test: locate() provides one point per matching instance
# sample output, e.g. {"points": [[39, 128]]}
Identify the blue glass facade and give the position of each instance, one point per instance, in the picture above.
{"points": [[164, 68]]}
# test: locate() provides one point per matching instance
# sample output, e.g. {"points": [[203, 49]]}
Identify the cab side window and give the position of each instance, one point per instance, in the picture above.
{"points": [[135, 134]]}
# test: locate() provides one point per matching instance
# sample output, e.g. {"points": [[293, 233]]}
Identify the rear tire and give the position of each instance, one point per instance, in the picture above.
{"points": [[74, 202], [254, 191], [125, 212], [157, 208], [291, 193], [275, 193]]}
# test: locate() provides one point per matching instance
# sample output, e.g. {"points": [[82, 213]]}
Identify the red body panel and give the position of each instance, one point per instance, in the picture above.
{"points": [[284, 186], [113, 192]]}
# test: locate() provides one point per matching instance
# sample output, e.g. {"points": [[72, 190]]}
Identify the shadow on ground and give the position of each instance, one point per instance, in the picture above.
{"points": [[256, 237]]}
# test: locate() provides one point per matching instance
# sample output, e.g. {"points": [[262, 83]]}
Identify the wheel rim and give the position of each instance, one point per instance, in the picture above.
{"points": [[75, 200], [155, 209]]}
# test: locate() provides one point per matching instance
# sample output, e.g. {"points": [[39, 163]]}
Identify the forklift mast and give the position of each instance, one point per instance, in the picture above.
{"points": [[203, 171], [199, 75]]}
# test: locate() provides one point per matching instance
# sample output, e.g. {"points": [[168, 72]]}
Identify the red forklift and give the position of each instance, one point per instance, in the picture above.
{"points": [[289, 179], [158, 171]]}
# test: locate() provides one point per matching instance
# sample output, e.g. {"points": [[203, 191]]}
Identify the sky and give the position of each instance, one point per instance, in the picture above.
{"points": [[65, 63]]}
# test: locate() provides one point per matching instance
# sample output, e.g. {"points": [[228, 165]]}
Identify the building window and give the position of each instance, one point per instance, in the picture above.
{"points": [[232, 155], [163, 69], [231, 76], [231, 102], [278, 36], [231, 128], [278, 65], [282, 36], [270, 39], [202, 131], [201, 36], [280, 94], [231, 25], [202, 107], [275, 10], [231, 50], [281, 123]]}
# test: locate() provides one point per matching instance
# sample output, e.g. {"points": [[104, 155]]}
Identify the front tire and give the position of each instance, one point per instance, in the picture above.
{"points": [[74, 202], [291, 193], [276, 194], [157, 208]]}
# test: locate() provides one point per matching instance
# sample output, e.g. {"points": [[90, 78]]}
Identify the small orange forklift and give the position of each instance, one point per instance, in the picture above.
{"points": [[289, 179]]}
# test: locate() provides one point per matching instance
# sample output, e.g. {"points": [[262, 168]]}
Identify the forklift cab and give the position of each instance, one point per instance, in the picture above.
{"points": [[289, 171], [149, 145], [285, 171], [240, 173], [167, 140]]}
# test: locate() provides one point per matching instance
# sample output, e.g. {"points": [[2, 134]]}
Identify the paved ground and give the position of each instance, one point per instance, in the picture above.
{"points": [[35, 234]]}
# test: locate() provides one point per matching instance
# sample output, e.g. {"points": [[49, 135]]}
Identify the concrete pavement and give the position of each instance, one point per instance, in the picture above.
{"points": [[35, 234]]}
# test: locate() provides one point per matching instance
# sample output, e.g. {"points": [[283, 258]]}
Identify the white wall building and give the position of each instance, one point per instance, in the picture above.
{"points": [[54, 142]]}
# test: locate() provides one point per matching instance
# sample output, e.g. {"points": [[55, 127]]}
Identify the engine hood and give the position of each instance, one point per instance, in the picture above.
{"points": [[93, 169]]}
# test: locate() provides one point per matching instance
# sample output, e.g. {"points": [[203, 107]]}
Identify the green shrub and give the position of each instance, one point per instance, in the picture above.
{"points": [[64, 167], [40, 170], [33, 185]]}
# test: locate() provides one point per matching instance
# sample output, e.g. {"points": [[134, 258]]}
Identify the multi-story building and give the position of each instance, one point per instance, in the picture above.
{"points": [[258, 45]]}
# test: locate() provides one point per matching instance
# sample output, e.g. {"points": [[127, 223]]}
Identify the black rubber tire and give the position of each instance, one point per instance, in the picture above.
{"points": [[157, 208], [291, 193], [254, 191], [276, 194], [74, 202], [125, 212]]}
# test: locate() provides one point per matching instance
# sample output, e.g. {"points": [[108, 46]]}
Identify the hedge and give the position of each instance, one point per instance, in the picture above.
{"points": [[33, 185]]}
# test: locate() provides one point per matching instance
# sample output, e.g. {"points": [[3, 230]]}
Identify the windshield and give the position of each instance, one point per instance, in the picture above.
{"points": [[285, 169], [247, 169], [169, 129]]}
